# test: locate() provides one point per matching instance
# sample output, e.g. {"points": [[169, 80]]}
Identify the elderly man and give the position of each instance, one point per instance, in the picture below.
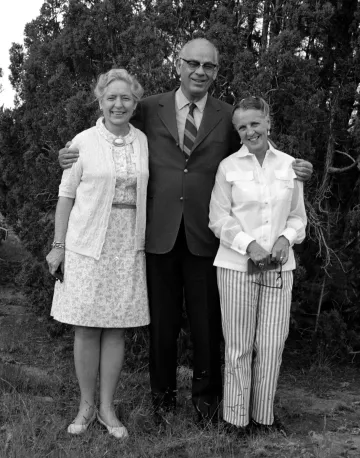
{"points": [[189, 133]]}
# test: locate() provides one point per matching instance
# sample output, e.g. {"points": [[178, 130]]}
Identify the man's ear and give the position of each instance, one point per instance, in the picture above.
{"points": [[178, 65], [215, 74]]}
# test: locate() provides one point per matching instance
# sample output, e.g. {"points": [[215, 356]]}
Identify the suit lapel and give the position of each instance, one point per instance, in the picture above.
{"points": [[211, 117], [167, 114]]}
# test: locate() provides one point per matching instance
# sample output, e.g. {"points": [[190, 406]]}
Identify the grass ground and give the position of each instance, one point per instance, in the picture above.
{"points": [[319, 404]]}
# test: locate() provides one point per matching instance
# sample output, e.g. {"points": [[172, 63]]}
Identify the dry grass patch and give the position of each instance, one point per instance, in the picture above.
{"points": [[39, 398]]}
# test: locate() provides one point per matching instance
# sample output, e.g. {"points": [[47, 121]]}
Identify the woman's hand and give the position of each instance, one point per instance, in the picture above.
{"points": [[258, 255], [55, 259], [280, 250]]}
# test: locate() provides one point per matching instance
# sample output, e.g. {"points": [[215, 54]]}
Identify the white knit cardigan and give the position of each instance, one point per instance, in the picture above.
{"points": [[91, 182]]}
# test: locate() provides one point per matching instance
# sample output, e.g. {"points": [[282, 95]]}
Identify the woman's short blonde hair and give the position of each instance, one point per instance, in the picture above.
{"points": [[253, 103], [118, 74]]}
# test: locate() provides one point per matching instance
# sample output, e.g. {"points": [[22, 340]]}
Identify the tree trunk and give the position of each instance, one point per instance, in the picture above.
{"points": [[265, 26]]}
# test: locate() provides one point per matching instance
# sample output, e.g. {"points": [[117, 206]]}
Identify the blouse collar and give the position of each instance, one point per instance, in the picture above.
{"points": [[243, 151], [111, 138]]}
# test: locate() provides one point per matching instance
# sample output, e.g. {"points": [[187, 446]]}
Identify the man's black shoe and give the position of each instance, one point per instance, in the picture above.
{"points": [[204, 422], [163, 418]]}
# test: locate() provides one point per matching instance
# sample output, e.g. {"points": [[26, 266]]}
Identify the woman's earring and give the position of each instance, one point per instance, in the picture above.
{"points": [[268, 132]]}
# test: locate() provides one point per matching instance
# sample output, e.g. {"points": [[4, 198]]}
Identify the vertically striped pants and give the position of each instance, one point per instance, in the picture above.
{"points": [[255, 322]]}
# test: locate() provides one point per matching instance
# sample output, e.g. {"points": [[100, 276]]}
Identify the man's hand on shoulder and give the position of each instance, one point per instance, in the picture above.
{"points": [[67, 156], [303, 169]]}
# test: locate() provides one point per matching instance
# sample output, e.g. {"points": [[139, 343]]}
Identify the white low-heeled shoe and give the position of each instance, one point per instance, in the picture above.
{"points": [[120, 432], [73, 428]]}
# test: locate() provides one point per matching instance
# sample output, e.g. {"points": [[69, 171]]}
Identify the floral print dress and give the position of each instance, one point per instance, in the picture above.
{"points": [[109, 292]]}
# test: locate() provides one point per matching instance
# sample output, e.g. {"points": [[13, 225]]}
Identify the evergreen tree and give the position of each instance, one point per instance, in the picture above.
{"points": [[301, 56]]}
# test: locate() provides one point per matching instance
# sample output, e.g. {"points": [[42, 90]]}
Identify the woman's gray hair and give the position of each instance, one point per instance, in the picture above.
{"points": [[253, 103], [118, 74]]}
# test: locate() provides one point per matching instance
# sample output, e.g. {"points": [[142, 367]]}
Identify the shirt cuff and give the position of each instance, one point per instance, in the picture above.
{"points": [[290, 234], [241, 242]]}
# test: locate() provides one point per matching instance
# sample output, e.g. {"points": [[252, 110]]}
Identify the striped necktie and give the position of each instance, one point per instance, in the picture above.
{"points": [[190, 131]]}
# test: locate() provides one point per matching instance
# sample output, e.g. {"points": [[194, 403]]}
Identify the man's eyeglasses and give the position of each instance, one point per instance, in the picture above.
{"points": [[278, 281], [208, 67]]}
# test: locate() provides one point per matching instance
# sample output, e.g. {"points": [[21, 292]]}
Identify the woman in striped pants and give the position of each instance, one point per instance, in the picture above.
{"points": [[257, 211]]}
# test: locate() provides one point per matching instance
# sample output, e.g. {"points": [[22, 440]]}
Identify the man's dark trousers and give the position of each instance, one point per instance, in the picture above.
{"points": [[173, 277]]}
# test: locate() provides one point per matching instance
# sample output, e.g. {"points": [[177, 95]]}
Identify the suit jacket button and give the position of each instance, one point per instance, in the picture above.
{"points": [[185, 170], [181, 198]]}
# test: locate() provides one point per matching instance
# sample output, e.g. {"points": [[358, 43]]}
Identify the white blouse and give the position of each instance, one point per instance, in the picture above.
{"points": [[253, 202]]}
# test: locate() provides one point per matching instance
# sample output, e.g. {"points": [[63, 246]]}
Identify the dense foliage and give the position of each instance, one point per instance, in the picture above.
{"points": [[300, 55]]}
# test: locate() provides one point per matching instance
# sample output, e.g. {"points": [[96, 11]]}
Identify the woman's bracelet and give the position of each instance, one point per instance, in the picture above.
{"points": [[59, 245]]}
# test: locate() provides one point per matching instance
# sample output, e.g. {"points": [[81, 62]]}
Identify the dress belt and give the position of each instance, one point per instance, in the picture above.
{"points": [[124, 206]]}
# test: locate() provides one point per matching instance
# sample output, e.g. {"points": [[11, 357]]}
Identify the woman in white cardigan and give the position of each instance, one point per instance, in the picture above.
{"points": [[98, 249], [257, 211]]}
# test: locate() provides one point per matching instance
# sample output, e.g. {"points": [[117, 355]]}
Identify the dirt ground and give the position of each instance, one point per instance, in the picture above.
{"points": [[319, 405]]}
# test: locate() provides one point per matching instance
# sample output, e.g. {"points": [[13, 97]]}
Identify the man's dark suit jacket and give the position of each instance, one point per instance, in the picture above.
{"points": [[178, 189]]}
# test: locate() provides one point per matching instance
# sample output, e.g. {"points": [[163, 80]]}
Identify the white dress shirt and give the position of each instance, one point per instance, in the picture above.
{"points": [[182, 110], [253, 202]]}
